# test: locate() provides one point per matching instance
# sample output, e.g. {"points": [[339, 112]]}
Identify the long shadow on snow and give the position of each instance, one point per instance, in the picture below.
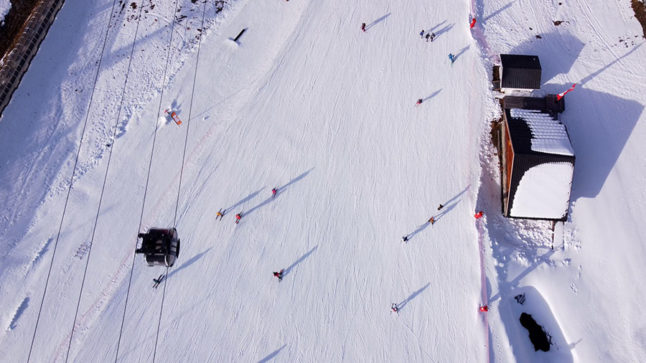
{"points": [[191, 261], [443, 30], [432, 95], [377, 21], [430, 30], [248, 197], [598, 136], [304, 174], [272, 355], [484, 19], [405, 302], [279, 191], [306, 255], [565, 45]]}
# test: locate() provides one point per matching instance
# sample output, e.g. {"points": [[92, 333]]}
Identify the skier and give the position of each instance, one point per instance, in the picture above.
{"points": [[451, 57], [363, 27], [238, 216], [440, 207], [419, 101], [405, 239], [483, 308], [473, 23], [158, 280], [273, 192], [394, 308], [220, 214], [431, 220], [427, 36], [421, 34], [478, 215], [432, 37], [279, 274]]}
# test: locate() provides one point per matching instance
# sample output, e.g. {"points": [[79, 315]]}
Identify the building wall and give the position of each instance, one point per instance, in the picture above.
{"points": [[507, 164]]}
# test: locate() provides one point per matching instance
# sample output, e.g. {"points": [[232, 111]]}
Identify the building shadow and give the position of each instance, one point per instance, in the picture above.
{"points": [[599, 125], [566, 46]]}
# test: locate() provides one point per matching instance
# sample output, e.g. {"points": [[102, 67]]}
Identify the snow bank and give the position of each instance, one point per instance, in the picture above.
{"points": [[5, 6]]}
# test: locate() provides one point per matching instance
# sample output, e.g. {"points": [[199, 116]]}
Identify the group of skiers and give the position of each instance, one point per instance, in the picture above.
{"points": [[428, 35], [239, 215]]}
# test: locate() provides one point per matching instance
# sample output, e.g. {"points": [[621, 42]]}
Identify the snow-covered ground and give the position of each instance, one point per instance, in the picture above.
{"points": [[5, 6], [310, 104]]}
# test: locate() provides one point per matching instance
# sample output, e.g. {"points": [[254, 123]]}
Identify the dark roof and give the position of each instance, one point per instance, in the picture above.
{"points": [[520, 61], [520, 71], [521, 138]]}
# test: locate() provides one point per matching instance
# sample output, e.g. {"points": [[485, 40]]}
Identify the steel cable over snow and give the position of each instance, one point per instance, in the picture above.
{"points": [[150, 162], [69, 188], [105, 178], [179, 187]]}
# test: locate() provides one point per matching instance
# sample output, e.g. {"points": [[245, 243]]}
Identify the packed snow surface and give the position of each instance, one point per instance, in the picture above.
{"points": [[307, 103]]}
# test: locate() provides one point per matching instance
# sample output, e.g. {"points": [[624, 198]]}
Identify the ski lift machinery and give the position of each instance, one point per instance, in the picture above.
{"points": [[160, 246]]}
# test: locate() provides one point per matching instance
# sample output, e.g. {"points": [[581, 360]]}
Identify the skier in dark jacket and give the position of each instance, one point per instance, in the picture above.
{"points": [[363, 27], [279, 274], [427, 36]]}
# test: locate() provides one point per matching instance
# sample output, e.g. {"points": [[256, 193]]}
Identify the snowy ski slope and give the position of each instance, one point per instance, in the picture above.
{"points": [[308, 103]]}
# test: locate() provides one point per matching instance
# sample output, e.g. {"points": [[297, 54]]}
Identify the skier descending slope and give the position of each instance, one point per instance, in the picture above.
{"points": [[238, 216], [220, 214], [158, 280], [452, 58], [279, 274], [273, 192]]}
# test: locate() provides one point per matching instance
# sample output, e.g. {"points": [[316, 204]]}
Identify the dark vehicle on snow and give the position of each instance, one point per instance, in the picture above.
{"points": [[160, 246]]}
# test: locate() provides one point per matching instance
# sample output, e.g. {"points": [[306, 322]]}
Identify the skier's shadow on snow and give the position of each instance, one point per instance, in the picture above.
{"points": [[190, 261], [279, 190], [419, 229], [430, 30], [306, 255], [443, 30], [272, 355], [248, 197], [432, 95], [402, 304], [461, 52], [451, 203], [377, 21]]}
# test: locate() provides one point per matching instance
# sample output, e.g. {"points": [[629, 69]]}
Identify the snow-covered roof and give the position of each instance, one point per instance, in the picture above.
{"points": [[548, 133], [543, 191]]}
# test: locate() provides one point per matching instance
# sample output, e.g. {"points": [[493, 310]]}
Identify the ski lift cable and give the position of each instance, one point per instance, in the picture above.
{"points": [[179, 187], [150, 162], [105, 179], [71, 180]]}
